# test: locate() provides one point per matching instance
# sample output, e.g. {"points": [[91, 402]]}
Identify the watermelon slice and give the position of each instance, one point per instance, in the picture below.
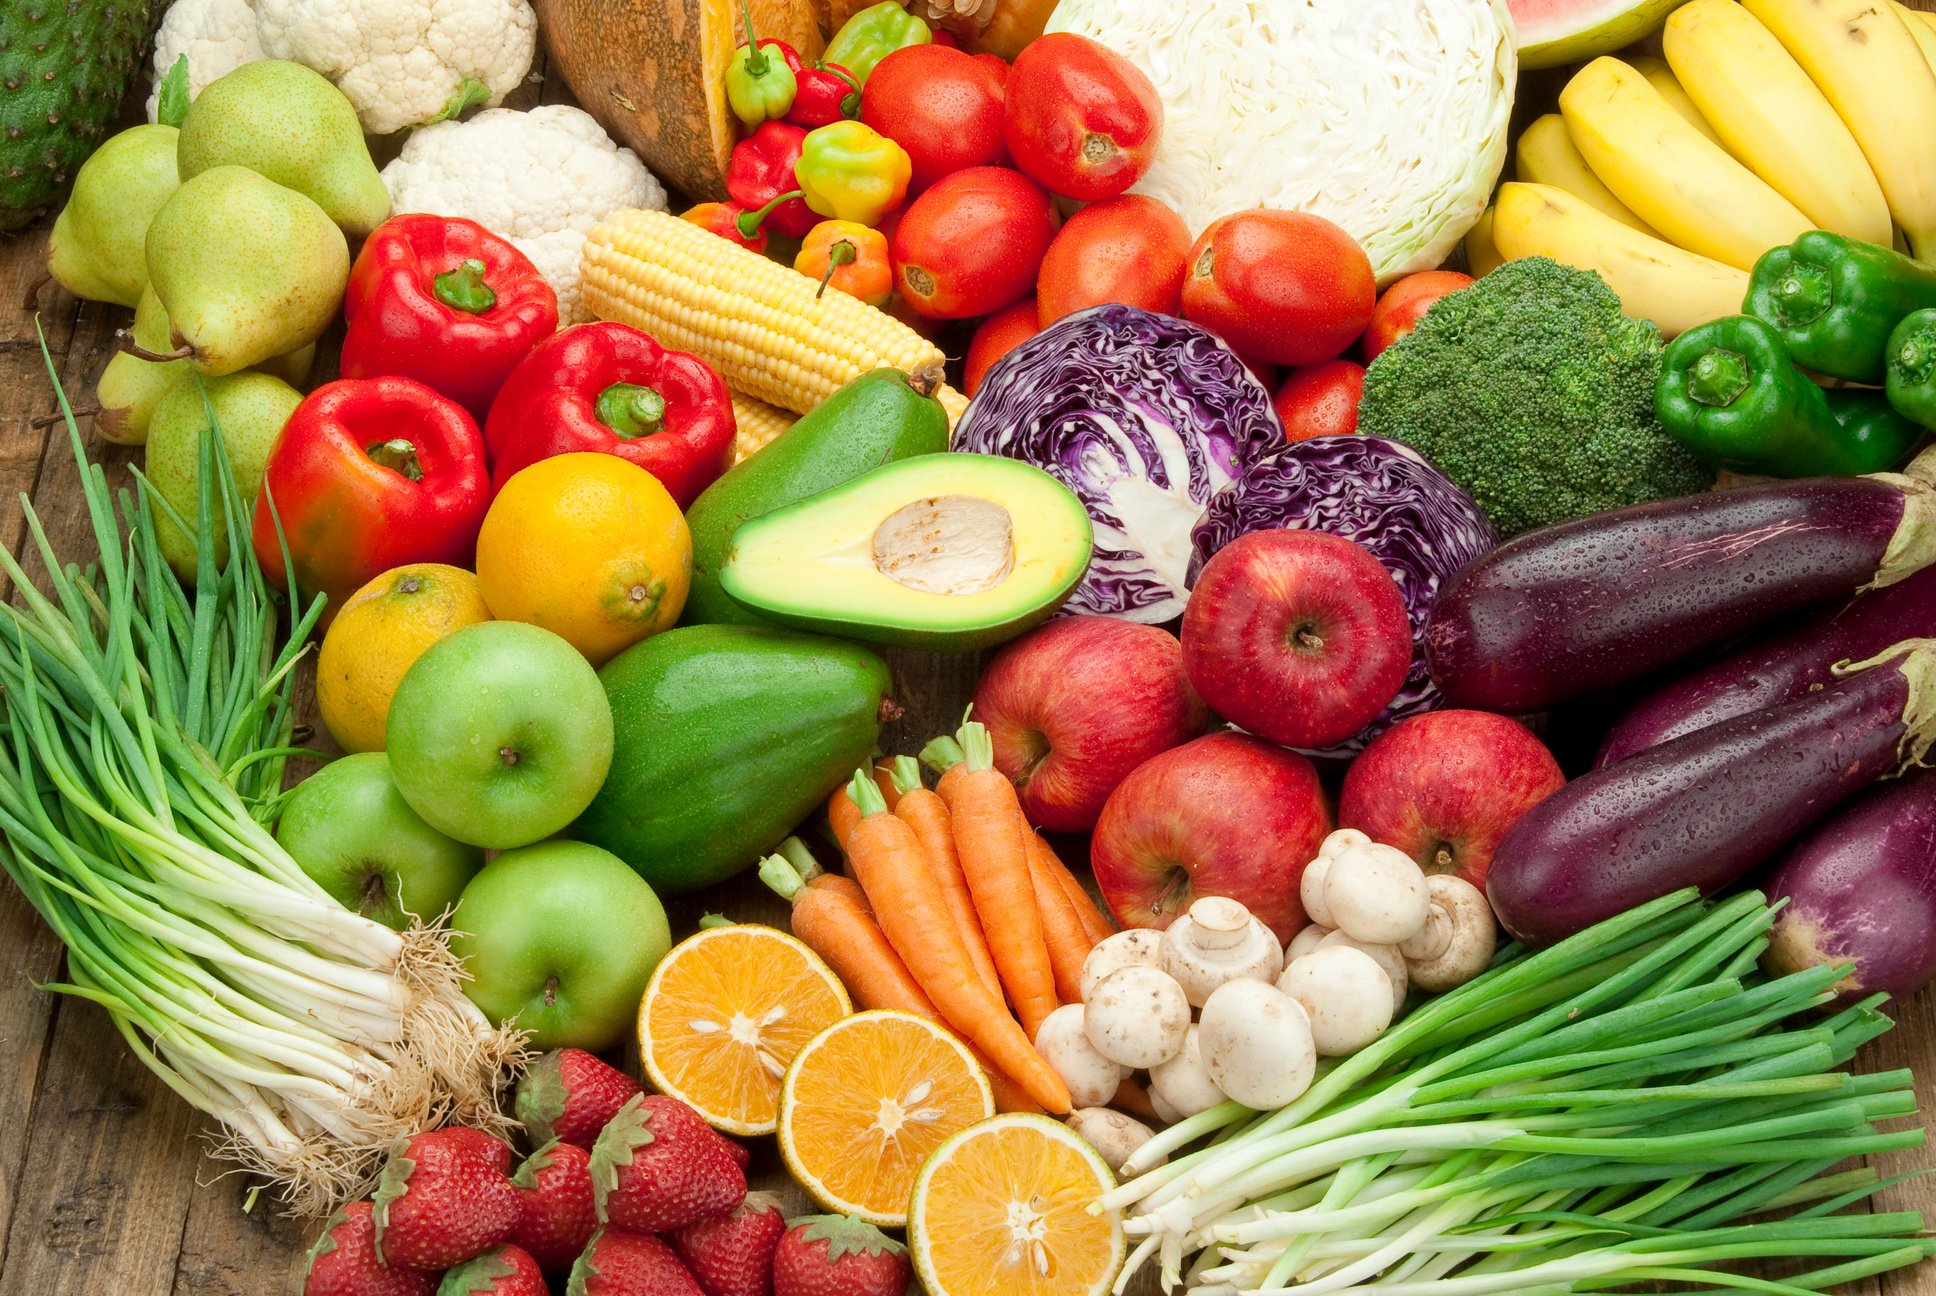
{"points": [[1552, 32]]}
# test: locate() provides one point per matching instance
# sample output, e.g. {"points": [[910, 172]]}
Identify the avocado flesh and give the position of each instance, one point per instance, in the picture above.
{"points": [[947, 552]]}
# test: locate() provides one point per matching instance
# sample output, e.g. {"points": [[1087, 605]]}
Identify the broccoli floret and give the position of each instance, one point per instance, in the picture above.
{"points": [[1533, 392]]}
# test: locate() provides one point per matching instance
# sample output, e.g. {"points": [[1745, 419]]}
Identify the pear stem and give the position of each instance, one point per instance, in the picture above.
{"points": [[48, 420], [139, 352]]}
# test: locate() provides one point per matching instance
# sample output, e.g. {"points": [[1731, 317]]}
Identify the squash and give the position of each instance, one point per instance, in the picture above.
{"points": [[650, 71], [1015, 24]]}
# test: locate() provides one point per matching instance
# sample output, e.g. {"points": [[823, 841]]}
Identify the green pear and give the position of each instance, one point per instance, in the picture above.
{"points": [[245, 268], [96, 249], [283, 121], [250, 409]]}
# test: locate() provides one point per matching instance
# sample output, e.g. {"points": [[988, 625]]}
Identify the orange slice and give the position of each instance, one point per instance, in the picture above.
{"points": [[1002, 1209], [865, 1103], [723, 1015]]}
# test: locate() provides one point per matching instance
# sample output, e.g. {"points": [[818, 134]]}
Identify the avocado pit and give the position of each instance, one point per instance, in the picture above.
{"points": [[947, 544]]}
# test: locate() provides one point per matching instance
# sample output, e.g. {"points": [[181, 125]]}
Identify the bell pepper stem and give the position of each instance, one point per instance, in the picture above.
{"points": [[841, 253], [755, 56], [631, 410], [749, 222], [1718, 378], [1915, 357], [1802, 295], [463, 288], [397, 455]]}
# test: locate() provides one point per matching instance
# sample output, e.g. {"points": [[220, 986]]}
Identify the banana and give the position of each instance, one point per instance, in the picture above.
{"points": [[1661, 77], [1655, 280], [1921, 27], [1676, 179], [1771, 117], [1481, 257], [1869, 66], [1545, 155]]}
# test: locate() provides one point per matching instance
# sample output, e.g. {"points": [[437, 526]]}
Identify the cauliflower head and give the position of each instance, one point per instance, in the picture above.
{"points": [[406, 62], [541, 178], [218, 36]]}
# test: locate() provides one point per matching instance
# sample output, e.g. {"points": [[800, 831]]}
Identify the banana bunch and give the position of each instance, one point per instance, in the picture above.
{"points": [[1768, 118]]}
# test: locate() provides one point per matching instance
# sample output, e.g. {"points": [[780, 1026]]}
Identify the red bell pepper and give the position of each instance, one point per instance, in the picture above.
{"points": [[722, 218], [826, 93], [370, 474], [611, 389], [762, 169], [443, 300]]}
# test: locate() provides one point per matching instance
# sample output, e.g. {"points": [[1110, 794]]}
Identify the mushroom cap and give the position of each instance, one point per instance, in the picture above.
{"points": [[1063, 1042], [1385, 956], [1137, 945], [1137, 1016], [1114, 1135], [1256, 1044], [1185, 1083], [1377, 894], [1345, 993]]}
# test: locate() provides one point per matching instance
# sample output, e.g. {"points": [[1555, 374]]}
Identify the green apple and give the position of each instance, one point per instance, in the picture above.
{"points": [[500, 734], [560, 939], [351, 830]]}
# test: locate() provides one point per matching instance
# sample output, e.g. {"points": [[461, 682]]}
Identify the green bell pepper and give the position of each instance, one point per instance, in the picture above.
{"points": [[850, 171], [1835, 299], [759, 85], [1911, 380], [872, 34], [1729, 392]]}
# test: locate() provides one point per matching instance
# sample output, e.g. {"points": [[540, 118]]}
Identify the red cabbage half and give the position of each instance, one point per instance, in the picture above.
{"points": [[1379, 493], [1144, 417]]}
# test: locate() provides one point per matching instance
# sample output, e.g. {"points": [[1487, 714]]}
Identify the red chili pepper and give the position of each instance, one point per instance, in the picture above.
{"points": [[369, 474], [611, 389], [445, 301], [827, 93], [722, 218], [788, 55], [762, 170]]}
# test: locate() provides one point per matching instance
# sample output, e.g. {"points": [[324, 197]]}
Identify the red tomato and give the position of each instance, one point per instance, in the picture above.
{"points": [[1404, 304], [994, 338], [1320, 400], [1284, 288], [972, 243], [1129, 249], [1082, 119], [941, 105], [994, 63]]}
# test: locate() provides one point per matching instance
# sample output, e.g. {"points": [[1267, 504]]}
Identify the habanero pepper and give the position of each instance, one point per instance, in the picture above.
{"points": [[369, 474], [443, 300], [828, 93], [1835, 300], [760, 86], [850, 257], [872, 34], [607, 388], [1729, 393], [847, 171], [1911, 380], [722, 218], [760, 179]]}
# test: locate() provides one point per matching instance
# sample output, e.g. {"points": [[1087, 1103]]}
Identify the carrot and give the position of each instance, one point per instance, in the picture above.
{"points": [[1133, 1098], [887, 860], [1095, 923], [991, 836], [944, 756], [841, 814], [1062, 926], [927, 814]]}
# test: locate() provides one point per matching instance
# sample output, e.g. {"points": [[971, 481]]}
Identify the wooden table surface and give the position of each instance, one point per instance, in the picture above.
{"points": [[105, 1189]]}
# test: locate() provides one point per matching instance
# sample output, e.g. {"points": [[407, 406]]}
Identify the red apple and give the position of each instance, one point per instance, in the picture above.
{"points": [[1225, 815], [1297, 636], [1444, 786], [1075, 706]]}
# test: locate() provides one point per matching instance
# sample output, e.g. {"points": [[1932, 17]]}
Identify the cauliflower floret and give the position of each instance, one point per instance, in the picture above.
{"points": [[218, 36], [541, 178], [406, 62]]}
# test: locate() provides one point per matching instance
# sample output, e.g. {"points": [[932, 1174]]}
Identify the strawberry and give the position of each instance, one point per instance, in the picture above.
{"points": [[444, 1198], [343, 1262], [557, 1215], [657, 1166], [568, 1095], [734, 1256], [741, 1154], [627, 1264], [501, 1271], [838, 1255]]}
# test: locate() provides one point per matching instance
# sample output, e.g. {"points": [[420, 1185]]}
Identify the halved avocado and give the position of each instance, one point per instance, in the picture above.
{"points": [[948, 552]]}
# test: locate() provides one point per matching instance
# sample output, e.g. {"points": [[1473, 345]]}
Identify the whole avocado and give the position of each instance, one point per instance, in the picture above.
{"points": [[65, 66]]}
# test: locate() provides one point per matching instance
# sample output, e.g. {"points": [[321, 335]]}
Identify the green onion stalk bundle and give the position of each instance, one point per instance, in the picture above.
{"points": [[143, 732], [1634, 1104]]}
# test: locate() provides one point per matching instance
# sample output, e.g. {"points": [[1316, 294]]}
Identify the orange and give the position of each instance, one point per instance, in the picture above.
{"points": [[1002, 1209], [588, 546], [867, 1100], [725, 1012], [380, 630]]}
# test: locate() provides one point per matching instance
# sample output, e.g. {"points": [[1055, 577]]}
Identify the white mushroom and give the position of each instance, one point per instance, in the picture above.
{"points": [[1131, 948], [1114, 1135], [1305, 941], [1136, 1018], [1164, 1112], [1215, 942], [1385, 956], [1183, 1081], [1310, 886], [1374, 892], [1256, 1044], [1456, 943], [1346, 995], [1064, 1045]]}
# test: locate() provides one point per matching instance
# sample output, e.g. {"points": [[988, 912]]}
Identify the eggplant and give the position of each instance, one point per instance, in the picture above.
{"points": [[1599, 601], [1861, 889], [1778, 668], [1705, 809]]}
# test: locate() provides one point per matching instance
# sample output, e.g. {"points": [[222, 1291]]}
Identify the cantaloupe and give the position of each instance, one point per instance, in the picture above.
{"points": [[1552, 32], [651, 72]]}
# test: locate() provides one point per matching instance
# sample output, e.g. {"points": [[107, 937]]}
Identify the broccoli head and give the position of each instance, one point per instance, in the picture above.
{"points": [[1533, 392]]}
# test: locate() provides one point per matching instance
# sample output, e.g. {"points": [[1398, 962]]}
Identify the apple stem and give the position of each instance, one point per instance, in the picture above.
{"points": [[376, 894], [1443, 859], [509, 755], [1308, 639], [551, 992]]}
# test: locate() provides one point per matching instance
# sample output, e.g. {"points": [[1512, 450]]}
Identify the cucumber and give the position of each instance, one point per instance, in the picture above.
{"points": [[878, 418], [724, 738]]}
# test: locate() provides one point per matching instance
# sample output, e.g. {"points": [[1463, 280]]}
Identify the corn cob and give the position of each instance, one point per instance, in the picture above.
{"points": [[766, 327], [758, 424]]}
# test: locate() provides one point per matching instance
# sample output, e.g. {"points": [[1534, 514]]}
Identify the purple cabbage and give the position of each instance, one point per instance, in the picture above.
{"points": [[1379, 493], [1145, 417]]}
